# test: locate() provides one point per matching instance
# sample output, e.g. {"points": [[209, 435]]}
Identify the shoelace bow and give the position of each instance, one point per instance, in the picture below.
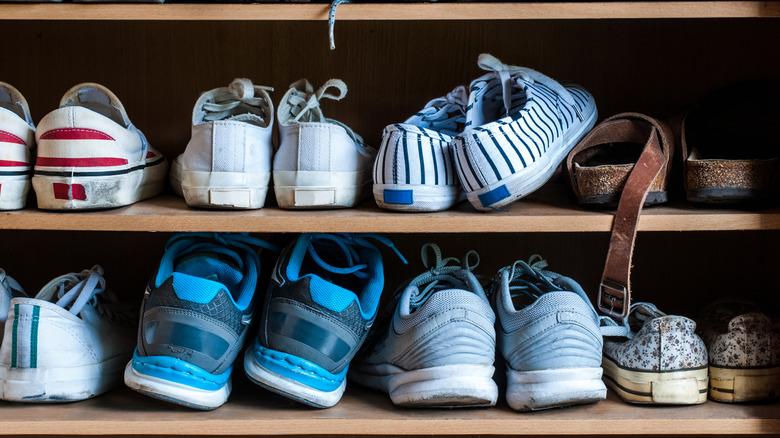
{"points": [[305, 104], [347, 243], [506, 72], [439, 272], [640, 313], [239, 91], [74, 291], [447, 112]]}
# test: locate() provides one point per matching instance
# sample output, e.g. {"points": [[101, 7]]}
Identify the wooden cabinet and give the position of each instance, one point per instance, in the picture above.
{"points": [[652, 57]]}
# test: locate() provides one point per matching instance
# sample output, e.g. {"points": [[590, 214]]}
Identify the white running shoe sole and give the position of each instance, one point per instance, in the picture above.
{"points": [[54, 385], [414, 197], [57, 192], [290, 388], [543, 389], [447, 386], [13, 191], [316, 189], [529, 179], [175, 392], [239, 190], [677, 387]]}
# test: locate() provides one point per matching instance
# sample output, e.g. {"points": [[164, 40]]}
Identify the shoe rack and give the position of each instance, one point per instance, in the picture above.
{"points": [[651, 57]]}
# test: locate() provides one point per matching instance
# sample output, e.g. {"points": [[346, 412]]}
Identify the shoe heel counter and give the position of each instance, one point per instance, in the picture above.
{"points": [[680, 348], [20, 348], [78, 137], [387, 168]]}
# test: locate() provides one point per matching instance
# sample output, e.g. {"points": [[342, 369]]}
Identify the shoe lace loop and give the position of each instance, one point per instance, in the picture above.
{"points": [[84, 288], [439, 275], [528, 278], [305, 106], [505, 73], [14, 286], [241, 90], [448, 112], [347, 243], [640, 313]]}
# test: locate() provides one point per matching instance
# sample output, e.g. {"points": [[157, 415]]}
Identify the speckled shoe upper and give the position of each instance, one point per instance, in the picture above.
{"points": [[738, 335]]}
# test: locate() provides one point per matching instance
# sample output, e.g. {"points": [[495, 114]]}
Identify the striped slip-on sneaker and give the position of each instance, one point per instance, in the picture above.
{"points": [[520, 125]]}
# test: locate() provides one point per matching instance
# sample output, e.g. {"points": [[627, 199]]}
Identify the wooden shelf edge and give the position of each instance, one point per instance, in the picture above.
{"points": [[391, 11], [170, 214]]}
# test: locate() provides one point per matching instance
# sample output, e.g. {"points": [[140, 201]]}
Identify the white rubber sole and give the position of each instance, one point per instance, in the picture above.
{"points": [[448, 386], [54, 385], [313, 189], [174, 392], [544, 389], [415, 197], [529, 179], [680, 387], [290, 388], [13, 192], [231, 190], [734, 385], [91, 192]]}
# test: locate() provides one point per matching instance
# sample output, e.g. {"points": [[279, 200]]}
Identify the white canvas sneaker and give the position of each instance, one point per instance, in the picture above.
{"points": [[66, 344], [227, 163], [520, 126], [413, 170], [9, 288], [17, 144], [439, 347], [321, 163], [91, 156]]}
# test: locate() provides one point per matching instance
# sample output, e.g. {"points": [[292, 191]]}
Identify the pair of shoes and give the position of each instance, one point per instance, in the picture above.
{"points": [[320, 162], [744, 351], [70, 342], [199, 306], [89, 154], [439, 346], [655, 358], [504, 143]]}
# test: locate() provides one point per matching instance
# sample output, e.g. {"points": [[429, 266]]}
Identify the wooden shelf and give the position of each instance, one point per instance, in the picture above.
{"points": [[407, 11], [551, 209], [252, 411]]}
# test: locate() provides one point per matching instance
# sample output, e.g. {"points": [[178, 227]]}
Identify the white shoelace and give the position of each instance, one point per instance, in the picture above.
{"points": [[640, 311], [84, 288], [438, 275], [239, 91], [447, 113], [305, 105]]}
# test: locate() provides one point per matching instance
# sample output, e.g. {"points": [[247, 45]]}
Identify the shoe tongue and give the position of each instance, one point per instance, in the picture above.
{"points": [[211, 266]]}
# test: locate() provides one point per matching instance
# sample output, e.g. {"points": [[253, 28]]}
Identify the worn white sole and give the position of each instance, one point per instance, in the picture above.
{"points": [[415, 197], [174, 392], [544, 389], [734, 385], [231, 190], [290, 388], [53, 385], [679, 387], [13, 191], [315, 189], [529, 179], [448, 386], [58, 192]]}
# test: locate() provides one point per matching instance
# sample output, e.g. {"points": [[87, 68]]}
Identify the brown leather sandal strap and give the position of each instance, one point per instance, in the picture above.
{"points": [[614, 297]]}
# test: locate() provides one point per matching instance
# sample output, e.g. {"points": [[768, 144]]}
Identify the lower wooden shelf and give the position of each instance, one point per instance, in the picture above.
{"points": [[253, 411]]}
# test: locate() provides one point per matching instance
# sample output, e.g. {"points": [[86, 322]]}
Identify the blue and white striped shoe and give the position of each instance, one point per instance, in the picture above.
{"points": [[413, 170], [520, 125]]}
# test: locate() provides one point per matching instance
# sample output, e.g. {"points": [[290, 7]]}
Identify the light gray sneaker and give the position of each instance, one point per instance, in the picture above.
{"points": [[548, 333], [438, 348]]}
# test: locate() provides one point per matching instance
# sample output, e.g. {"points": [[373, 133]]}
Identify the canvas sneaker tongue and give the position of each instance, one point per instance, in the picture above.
{"points": [[214, 267]]}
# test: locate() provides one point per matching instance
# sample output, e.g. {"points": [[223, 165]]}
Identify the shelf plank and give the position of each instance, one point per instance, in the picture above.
{"points": [[551, 209], [391, 11], [252, 411]]}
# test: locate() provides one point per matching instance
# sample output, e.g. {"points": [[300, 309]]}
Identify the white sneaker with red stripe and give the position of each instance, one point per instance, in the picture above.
{"points": [[17, 143], [91, 156]]}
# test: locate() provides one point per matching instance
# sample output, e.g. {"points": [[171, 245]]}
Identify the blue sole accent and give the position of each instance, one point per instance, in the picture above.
{"points": [[298, 369], [178, 371], [393, 196], [493, 196]]}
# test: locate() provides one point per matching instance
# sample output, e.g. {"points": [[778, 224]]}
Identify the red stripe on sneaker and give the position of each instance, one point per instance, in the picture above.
{"points": [[69, 191], [150, 155], [75, 134], [7, 137], [8, 163], [80, 162]]}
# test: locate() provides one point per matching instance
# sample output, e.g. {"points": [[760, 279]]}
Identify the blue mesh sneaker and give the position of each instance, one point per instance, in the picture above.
{"points": [[439, 346], [548, 333], [320, 305], [195, 316]]}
